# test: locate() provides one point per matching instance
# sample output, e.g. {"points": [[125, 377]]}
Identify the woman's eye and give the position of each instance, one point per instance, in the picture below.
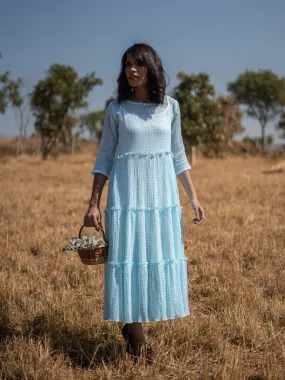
{"points": [[137, 63]]}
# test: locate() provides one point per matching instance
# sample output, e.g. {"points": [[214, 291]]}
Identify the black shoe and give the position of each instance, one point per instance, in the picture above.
{"points": [[145, 352]]}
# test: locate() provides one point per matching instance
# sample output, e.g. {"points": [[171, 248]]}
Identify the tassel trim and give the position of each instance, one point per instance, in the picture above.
{"points": [[128, 208], [147, 263], [144, 154]]}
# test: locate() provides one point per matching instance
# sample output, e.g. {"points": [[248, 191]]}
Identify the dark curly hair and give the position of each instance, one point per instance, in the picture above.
{"points": [[148, 57]]}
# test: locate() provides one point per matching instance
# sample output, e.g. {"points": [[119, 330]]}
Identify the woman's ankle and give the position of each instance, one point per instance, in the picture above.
{"points": [[136, 335]]}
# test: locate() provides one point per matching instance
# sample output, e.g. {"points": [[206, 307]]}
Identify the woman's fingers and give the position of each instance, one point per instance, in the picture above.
{"points": [[92, 219], [87, 221], [96, 222], [199, 215]]}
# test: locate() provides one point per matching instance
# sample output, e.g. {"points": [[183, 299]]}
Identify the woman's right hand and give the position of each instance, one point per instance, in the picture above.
{"points": [[199, 211], [92, 218]]}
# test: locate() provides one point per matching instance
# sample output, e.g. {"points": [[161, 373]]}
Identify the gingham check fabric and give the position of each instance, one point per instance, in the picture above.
{"points": [[141, 152]]}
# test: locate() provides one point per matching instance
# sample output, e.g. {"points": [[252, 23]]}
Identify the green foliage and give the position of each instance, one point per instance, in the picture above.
{"points": [[206, 121], [9, 91], [219, 140], [263, 92], [249, 145], [270, 140], [281, 125], [55, 97], [199, 109], [92, 122]]}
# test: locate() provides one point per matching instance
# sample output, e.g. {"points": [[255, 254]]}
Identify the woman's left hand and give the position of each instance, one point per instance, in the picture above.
{"points": [[199, 211]]}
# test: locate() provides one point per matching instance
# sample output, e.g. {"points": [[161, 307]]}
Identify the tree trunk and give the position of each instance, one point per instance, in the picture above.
{"points": [[45, 153], [73, 143], [38, 149], [19, 143], [48, 147], [262, 138], [90, 142], [18, 146], [56, 146]]}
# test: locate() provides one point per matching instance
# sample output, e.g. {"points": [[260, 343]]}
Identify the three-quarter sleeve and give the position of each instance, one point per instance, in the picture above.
{"points": [[108, 144], [177, 147]]}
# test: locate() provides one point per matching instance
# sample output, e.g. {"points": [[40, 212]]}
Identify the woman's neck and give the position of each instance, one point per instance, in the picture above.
{"points": [[140, 94]]}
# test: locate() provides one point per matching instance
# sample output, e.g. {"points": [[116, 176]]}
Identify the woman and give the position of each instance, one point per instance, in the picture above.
{"points": [[141, 153]]}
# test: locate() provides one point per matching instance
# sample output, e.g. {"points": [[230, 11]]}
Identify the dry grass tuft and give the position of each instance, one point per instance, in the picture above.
{"points": [[279, 168], [51, 323]]}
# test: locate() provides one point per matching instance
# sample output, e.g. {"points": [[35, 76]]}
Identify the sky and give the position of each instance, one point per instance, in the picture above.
{"points": [[223, 38]]}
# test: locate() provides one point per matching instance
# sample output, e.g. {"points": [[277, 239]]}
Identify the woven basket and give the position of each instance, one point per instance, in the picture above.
{"points": [[94, 256]]}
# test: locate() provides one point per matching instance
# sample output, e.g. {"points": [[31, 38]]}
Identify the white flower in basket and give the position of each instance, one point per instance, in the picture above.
{"points": [[92, 251]]}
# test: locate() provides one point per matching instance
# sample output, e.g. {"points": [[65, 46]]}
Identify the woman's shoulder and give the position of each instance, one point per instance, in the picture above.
{"points": [[112, 103], [173, 105], [172, 101], [115, 105]]}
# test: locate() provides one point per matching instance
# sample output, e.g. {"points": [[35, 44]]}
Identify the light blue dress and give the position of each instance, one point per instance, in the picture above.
{"points": [[141, 152]]}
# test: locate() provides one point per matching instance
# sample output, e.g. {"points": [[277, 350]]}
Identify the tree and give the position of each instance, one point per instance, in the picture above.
{"points": [[9, 91], [263, 92], [281, 125], [270, 140], [206, 121], [250, 145], [53, 100], [67, 137], [199, 109], [23, 117], [92, 122], [220, 137]]}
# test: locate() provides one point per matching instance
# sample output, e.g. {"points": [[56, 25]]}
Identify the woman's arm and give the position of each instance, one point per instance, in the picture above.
{"points": [[99, 181], [93, 216], [180, 160], [108, 144], [187, 183], [181, 164], [102, 167]]}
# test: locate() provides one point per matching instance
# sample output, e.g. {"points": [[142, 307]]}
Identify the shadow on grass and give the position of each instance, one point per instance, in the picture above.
{"points": [[6, 331], [79, 347]]}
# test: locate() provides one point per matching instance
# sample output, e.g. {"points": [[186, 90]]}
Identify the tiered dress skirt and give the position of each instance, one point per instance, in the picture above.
{"points": [[146, 271]]}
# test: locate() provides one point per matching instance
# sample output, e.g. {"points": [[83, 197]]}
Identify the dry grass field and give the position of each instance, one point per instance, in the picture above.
{"points": [[51, 305]]}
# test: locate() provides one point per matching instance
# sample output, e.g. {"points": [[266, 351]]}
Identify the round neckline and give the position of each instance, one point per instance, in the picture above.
{"points": [[131, 101], [167, 103], [151, 104]]}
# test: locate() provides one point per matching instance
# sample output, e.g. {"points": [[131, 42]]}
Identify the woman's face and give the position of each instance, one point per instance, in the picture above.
{"points": [[136, 72]]}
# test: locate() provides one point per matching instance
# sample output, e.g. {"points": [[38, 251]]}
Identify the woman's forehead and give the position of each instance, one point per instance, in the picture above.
{"points": [[130, 57]]}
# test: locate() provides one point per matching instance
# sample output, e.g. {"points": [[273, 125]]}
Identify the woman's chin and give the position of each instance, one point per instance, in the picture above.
{"points": [[135, 85]]}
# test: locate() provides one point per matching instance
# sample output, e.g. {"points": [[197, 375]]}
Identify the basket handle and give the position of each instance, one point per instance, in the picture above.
{"points": [[101, 228]]}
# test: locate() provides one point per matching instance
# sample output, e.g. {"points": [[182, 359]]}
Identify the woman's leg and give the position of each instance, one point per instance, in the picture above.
{"points": [[137, 334], [137, 341]]}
